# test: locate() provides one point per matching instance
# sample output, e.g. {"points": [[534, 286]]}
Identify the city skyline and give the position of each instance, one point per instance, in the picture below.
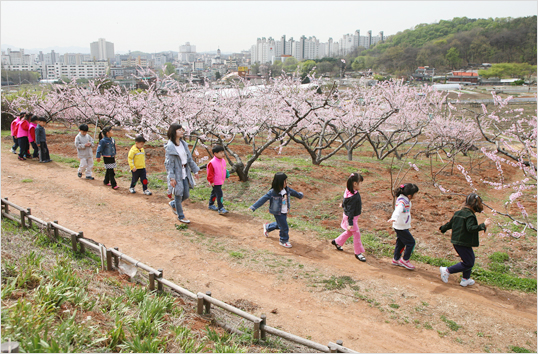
{"points": [[231, 26]]}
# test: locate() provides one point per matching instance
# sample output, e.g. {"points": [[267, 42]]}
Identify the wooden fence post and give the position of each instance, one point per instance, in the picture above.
{"points": [[74, 243], [23, 214], [82, 246], [208, 304], [262, 325], [159, 284], [6, 207], [256, 333], [10, 347], [116, 260], [29, 212], [151, 283], [56, 232], [108, 260], [200, 308]]}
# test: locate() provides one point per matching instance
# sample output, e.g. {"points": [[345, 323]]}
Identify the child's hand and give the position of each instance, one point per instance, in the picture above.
{"points": [[349, 227], [173, 183], [98, 159], [134, 169], [38, 144], [390, 220], [88, 144], [212, 185], [252, 210], [487, 222]]}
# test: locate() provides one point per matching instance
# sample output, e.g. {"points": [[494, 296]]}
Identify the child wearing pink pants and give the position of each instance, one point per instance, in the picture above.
{"points": [[352, 205]]}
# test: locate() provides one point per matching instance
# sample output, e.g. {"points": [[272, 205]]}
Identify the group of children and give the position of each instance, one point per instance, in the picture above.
{"points": [[107, 150], [464, 224], [28, 130]]}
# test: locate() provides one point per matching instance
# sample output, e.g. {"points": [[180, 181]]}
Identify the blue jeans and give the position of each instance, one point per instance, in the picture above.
{"points": [[467, 261], [404, 240], [176, 203], [281, 223], [216, 194]]}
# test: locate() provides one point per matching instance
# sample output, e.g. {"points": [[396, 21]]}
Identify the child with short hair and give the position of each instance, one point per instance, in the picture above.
{"points": [[352, 205], [279, 205], [41, 140], [465, 229], [84, 144], [31, 136], [401, 218], [14, 126], [137, 164], [216, 174], [107, 149]]}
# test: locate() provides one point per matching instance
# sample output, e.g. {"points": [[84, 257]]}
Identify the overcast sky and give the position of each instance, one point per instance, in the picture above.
{"points": [[231, 26]]}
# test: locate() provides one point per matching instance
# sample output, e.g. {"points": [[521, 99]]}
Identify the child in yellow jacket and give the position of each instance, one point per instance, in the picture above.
{"points": [[137, 164]]}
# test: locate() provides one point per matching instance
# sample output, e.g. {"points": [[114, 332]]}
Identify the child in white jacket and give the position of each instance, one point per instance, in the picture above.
{"points": [[401, 222]]}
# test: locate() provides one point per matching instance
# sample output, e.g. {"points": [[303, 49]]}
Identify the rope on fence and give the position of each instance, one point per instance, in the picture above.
{"points": [[204, 300]]}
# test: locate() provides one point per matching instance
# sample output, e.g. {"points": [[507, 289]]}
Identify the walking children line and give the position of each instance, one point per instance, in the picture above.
{"points": [[28, 131]]}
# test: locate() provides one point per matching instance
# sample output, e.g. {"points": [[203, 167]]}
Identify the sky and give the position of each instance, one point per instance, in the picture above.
{"points": [[230, 26]]}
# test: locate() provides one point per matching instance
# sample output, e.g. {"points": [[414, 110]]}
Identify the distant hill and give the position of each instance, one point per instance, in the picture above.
{"points": [[454, 43]]}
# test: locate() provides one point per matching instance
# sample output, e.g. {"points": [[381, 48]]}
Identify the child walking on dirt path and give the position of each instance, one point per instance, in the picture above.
{"points": [[84, 144], [31, 137], [22, 136], [465, 229], [107, 149], [41, 140], [137, 164], [352, 205], [14, 126], [401, 218], [279, 205], [216, 174]]}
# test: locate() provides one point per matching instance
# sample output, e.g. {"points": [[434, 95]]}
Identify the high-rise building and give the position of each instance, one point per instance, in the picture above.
{"points": [[102, 50], [187, 53]]}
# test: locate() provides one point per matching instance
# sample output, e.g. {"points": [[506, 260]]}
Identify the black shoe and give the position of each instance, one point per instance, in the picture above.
{"points": [[336, 245], [360, 257], [79, 175], [90, 177]]}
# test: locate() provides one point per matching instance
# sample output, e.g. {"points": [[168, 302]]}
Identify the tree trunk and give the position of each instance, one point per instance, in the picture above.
{"points": [[240, 170], [350, 154]]}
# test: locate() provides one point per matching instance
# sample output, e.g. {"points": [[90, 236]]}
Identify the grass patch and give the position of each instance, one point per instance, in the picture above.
{"points": [[27, 180], [336, 283], [516, 349], [451, 324]]}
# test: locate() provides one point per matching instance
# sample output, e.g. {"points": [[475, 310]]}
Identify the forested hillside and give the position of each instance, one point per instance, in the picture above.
{"points": [[452, 44]]}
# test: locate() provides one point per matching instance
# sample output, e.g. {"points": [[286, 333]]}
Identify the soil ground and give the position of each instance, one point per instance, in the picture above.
{"points": [[302, 290]]}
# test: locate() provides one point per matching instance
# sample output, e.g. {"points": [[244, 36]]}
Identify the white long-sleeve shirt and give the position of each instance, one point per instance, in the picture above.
{"points": [[402, 213]]}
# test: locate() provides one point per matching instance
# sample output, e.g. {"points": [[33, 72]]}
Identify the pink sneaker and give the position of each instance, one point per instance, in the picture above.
{"points": [[406, 264], [395, 262]]}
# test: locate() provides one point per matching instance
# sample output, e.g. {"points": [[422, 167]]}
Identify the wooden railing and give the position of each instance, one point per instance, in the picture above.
{"points": [[110, 258]]}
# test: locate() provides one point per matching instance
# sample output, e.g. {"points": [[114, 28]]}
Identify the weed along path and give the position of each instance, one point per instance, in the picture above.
{"points": [[310, 290]]}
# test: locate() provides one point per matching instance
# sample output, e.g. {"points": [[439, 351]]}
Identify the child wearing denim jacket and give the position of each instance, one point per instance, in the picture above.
{"points": [[279, 205], [107, 149]]}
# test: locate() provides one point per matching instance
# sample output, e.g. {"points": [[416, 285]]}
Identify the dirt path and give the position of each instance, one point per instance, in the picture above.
{"points": [[404, 306]]}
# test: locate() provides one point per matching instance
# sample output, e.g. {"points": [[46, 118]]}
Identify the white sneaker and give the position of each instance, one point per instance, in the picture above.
{"points": [[185, 221], [285, 244], [147, 192], [131, 190], [265, 232], [444, 274], [13, 151], [466, 282]]}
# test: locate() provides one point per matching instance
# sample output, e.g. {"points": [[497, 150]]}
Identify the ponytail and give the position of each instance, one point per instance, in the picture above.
{"points": [[354, 177], [406, 189], [103, 132]]}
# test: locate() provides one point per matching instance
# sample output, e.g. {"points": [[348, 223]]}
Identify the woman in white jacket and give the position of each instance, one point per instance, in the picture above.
{"points": [[401, 222]]}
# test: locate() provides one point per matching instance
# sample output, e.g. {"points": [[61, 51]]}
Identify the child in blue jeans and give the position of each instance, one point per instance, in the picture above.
{"points": [[279, 204], [465, 229]]}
